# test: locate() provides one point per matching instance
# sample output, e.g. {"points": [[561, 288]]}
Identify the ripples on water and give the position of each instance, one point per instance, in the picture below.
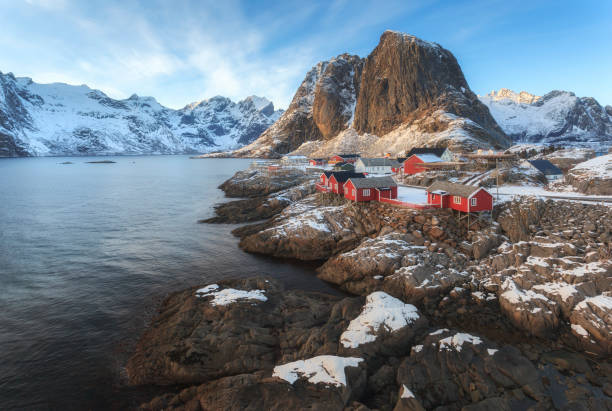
{"points": [[86, 253]]}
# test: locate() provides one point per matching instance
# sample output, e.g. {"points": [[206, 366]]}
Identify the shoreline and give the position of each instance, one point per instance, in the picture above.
{"points": [[459, 302]]}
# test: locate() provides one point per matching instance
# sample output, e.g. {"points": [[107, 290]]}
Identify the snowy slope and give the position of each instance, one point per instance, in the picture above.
{"points": [[60, 119], [558, 117]]}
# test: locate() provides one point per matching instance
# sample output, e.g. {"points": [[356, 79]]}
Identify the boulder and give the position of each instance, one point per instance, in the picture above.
{"points": [[591, 322]]}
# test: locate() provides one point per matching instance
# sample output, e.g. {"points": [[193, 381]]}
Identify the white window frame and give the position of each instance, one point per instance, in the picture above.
{"points": [[345, 190], [336, 187], [354, 192], [473, 201], [366, 192], [456, 199]]}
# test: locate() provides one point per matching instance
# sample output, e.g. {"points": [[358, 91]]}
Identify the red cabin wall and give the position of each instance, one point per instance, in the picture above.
{"points": [[484, 201], [411, 165]]}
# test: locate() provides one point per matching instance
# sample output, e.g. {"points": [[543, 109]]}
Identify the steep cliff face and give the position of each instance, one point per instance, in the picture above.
{"points": [[404, 78], [322, 106], [60, 119], [404, 83], [558, 117]]}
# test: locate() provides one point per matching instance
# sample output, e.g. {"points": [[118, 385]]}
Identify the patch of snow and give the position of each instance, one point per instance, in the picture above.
{"points": [[491, 351], [456, 341], [326, 369], [406, 393], [381, 311], [577, 328], [229, 295], [412, 195]]}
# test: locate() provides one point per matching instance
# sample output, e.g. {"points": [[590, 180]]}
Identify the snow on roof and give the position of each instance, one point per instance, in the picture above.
{"points": [[599, 166], [380, 311], [326, 369], [429, 158], [229, 295]]}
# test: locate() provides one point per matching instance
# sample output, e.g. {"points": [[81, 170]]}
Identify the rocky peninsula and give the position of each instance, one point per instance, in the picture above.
{"points": [[515, 313]]}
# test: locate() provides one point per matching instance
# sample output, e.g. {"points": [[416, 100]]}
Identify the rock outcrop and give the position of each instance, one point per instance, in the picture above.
{"points": [[405, 78], [407, 92], [593, 176], [322, 106]]}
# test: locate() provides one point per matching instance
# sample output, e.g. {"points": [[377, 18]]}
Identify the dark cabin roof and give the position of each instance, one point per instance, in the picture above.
{"points": [[401, 159], [327, 173], [348, 155], [317, 159], [374, 182], [453, 189], [546, 167], [425, 150], [342, 176]]}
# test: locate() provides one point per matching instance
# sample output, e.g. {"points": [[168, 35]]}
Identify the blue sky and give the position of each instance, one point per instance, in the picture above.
{"points": [[184, 51]]}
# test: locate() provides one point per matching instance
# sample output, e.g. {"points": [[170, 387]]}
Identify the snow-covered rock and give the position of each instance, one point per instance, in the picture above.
{"points": [[229, 295], [324, 369], [558, 117], [381, 312], [61, 119], [593, 176]]}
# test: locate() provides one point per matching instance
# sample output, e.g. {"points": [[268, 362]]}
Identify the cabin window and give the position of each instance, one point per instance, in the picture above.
{"points": [[473, 201], [433, 196], [345, 190], [366, 192], [457, 199], [353, 193], [336, 187]]}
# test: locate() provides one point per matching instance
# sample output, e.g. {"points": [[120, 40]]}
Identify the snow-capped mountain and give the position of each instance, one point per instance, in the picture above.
{"points": [[60, 119], [558, 117]]}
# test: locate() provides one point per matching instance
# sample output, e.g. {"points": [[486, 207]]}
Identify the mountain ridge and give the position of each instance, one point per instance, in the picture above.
{"points": [[60, 119], [557, 117]]}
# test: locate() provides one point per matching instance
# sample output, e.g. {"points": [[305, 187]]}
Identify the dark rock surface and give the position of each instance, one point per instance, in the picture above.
{"points": [[405, 78], [258, 182]]}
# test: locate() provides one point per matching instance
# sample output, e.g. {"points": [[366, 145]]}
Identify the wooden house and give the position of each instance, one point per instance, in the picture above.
{"points": [[376, 165], [370, 189], [317, 162], [343, 158], [337, 179], [551, 171], [460, 197]]}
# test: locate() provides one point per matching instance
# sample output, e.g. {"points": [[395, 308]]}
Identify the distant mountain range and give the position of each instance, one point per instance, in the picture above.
{"points": [[558, 117], [60, 119]]}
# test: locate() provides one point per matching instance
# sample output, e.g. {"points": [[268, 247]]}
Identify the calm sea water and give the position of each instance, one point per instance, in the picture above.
{"points": [[86, 253]]}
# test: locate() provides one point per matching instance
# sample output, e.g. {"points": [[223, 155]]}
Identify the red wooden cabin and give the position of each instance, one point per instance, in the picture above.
{"points": [[343, 158], [370, 189], [317, 162], [337, 179], [460, 197], [411, 164]]}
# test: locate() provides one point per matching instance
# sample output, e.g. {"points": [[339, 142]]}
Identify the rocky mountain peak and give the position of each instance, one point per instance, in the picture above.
{"points": [[404, 81], [522, 97]]}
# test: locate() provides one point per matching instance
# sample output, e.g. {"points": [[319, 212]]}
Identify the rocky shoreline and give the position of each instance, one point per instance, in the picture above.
{"points": [[513, 314]]}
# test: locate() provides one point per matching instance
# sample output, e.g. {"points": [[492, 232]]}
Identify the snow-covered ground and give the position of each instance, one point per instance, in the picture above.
{"points": [[412, 195], [509, 192], [600, 167]]}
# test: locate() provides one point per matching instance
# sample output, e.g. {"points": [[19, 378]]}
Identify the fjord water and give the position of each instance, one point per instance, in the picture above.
{"points": [[86, 253]]}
